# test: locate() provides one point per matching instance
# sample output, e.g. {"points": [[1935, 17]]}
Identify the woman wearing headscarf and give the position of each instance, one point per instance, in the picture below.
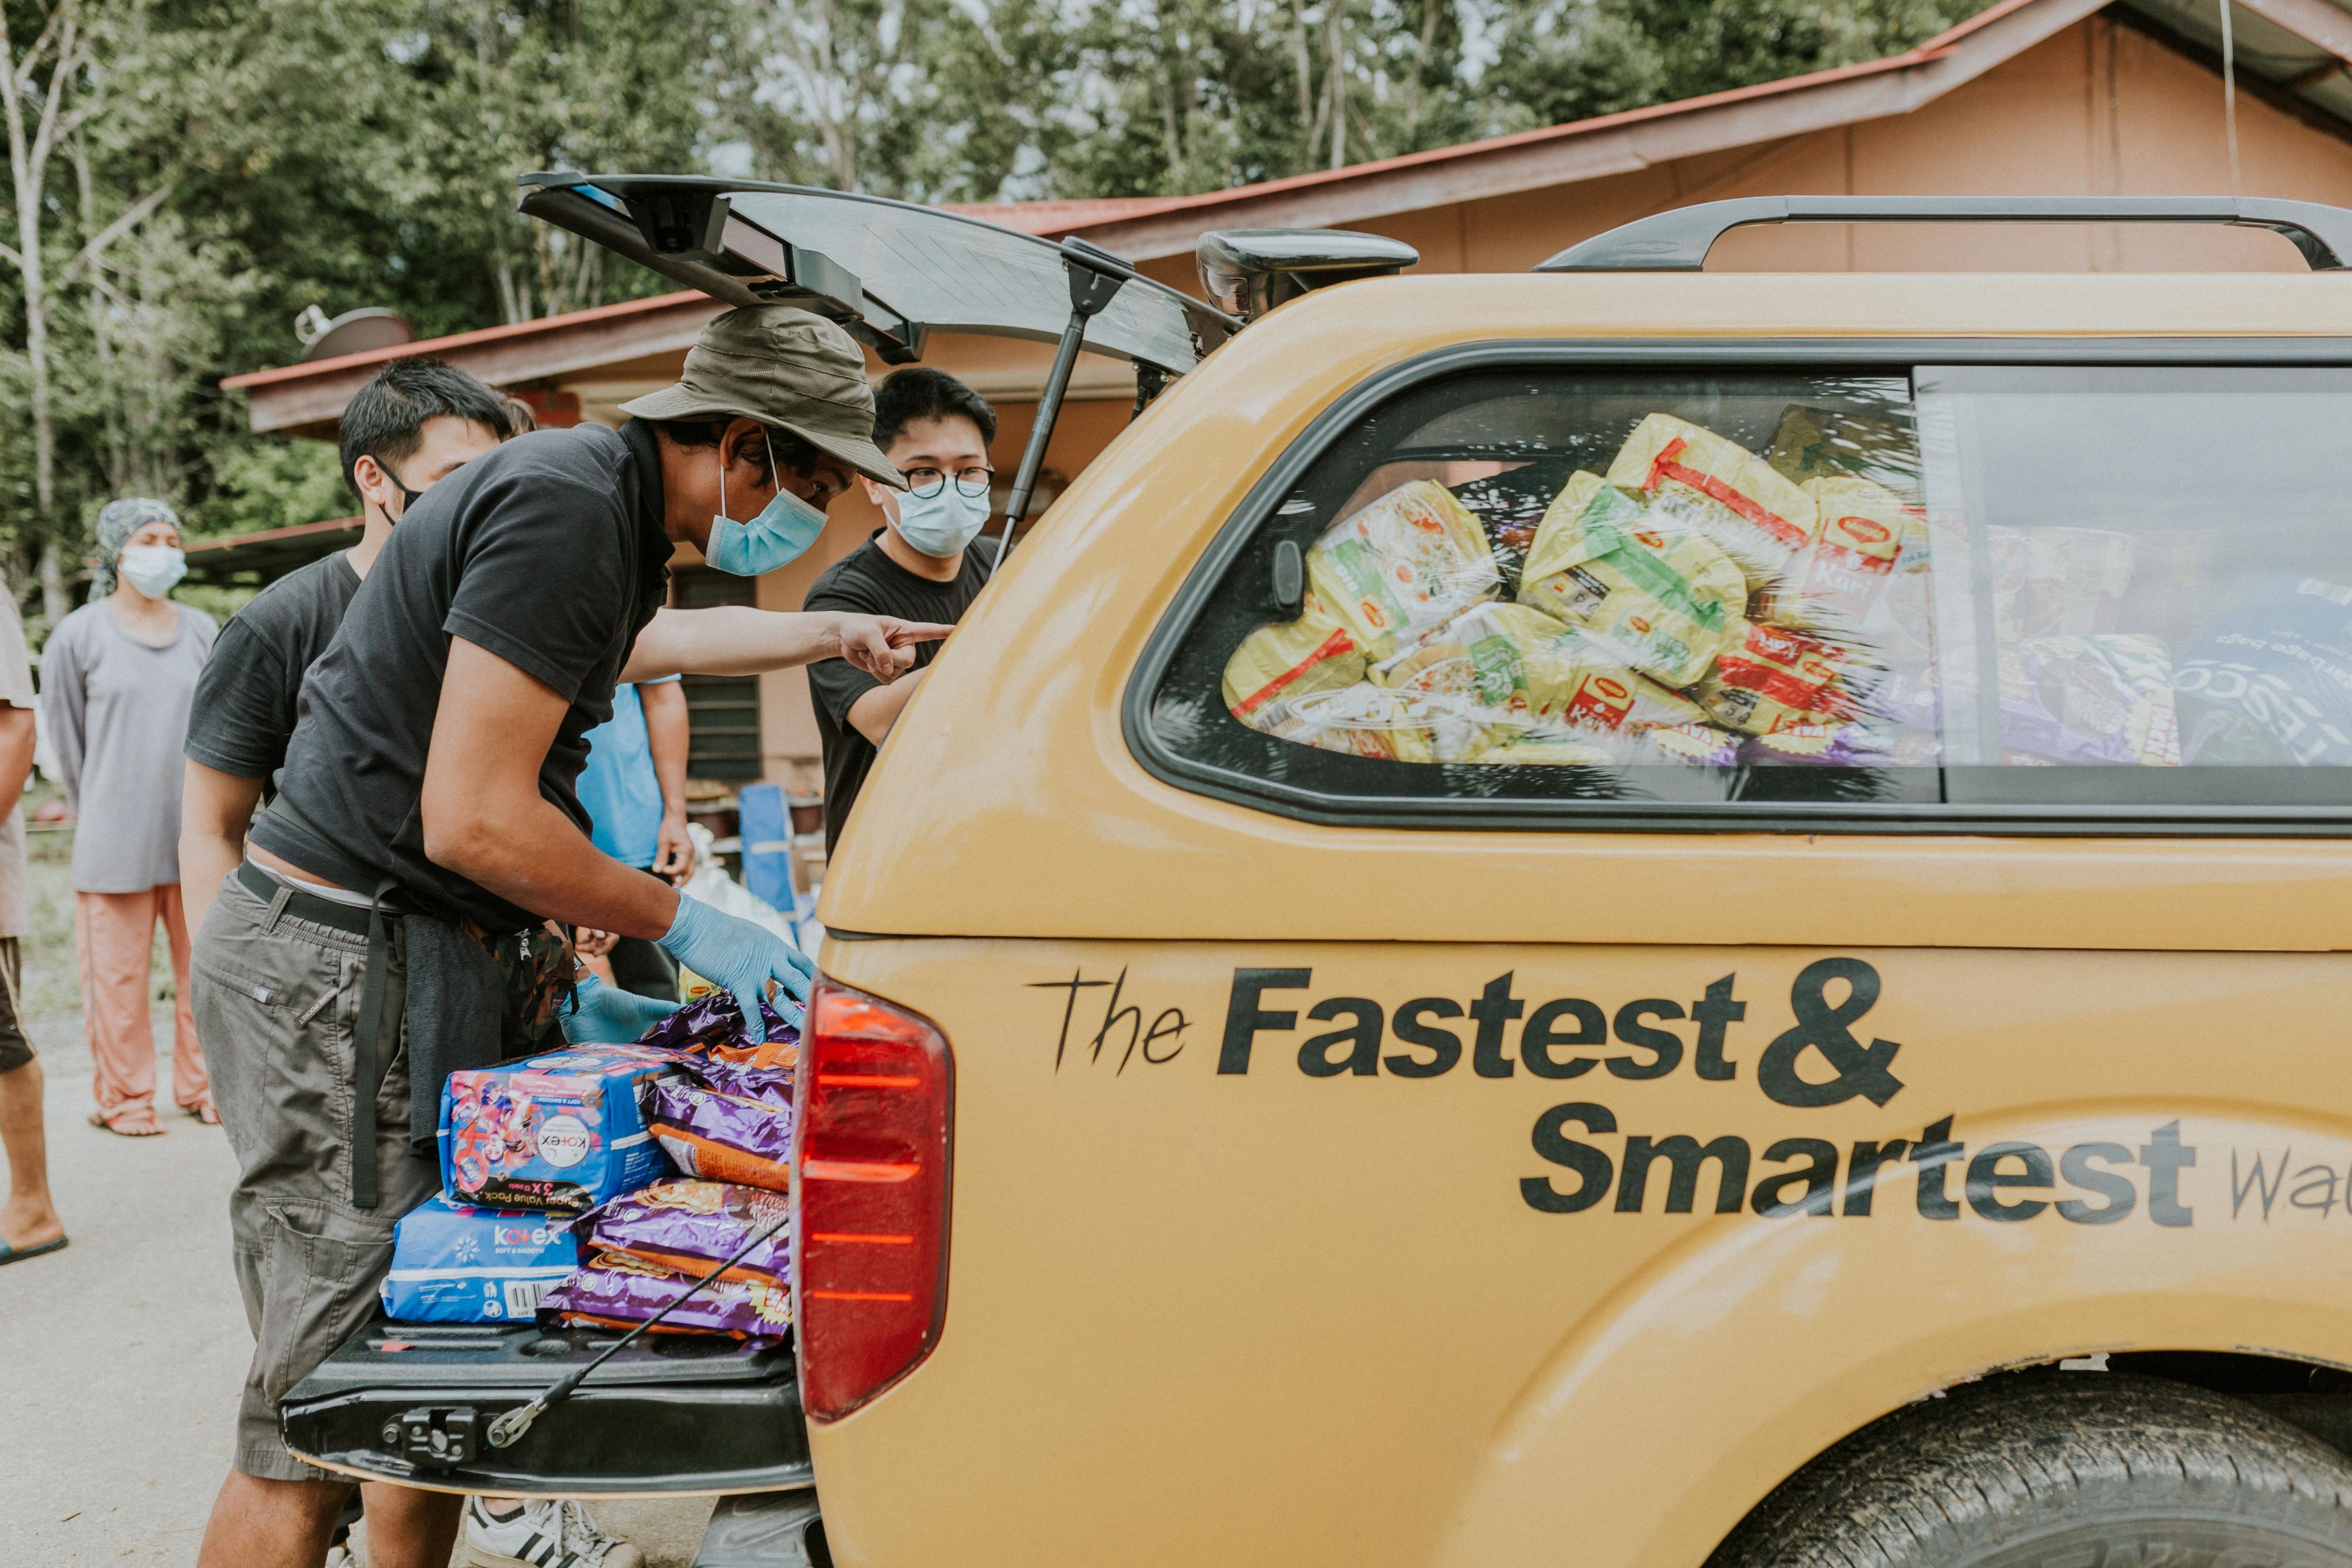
{"points": [[117, 677]]}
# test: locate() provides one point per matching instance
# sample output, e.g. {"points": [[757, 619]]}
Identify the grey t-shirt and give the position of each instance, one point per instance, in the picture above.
{"points": [[16, 691], [117, 712]]}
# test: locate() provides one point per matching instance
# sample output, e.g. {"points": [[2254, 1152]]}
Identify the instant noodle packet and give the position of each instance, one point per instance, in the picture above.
{"points": [[719, 1135], [1837, 578], [691, 1226], [1693, 744], [1401, 566], [1664, 601], [2090, 700], [617, 1291], [1363, 720], [1720, 488], [1292, 658], [1770, 678], [712, 1027]]}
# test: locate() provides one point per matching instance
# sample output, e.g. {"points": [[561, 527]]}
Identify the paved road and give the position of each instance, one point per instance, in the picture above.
{"points": [[120, 1357]]}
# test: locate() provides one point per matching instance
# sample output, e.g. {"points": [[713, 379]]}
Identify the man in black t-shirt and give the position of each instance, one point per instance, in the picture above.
{"points": [[416, 422], [924, 564], [432, 775]]}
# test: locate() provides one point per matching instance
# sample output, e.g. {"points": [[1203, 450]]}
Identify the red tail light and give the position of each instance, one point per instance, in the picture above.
{"points": [[870, 1251]]}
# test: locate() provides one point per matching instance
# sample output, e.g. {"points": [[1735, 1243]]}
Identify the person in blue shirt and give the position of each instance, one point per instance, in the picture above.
{"points": [[634, 791]]}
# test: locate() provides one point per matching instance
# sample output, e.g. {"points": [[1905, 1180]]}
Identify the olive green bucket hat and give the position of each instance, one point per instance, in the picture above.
{"points": [[783, 367]]}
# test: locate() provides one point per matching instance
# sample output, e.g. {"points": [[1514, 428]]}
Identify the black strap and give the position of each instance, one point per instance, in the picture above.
{"points": [[370, 1053]]}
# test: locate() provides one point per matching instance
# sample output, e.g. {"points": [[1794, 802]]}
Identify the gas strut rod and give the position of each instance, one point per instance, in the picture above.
{"points": [[1093, 284], [509, 1428]]}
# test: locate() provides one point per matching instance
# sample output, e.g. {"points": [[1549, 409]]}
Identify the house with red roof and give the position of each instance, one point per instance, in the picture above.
{"points": [[2028, 98]]}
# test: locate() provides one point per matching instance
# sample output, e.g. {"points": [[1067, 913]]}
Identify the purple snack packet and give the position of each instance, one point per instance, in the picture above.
{"points": [[620, 1292], [691, 1226], [712, 1028], [727, 1138]]}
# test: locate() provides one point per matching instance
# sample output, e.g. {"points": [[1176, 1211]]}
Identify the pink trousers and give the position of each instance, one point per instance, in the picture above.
{"points": [[115, 933]]}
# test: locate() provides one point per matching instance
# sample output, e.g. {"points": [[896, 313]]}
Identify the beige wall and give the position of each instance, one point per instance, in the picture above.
{"points": [[2098, 110]]}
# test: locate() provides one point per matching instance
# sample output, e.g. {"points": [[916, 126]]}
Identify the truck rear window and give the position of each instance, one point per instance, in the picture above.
{"points": [[1931, 592]]}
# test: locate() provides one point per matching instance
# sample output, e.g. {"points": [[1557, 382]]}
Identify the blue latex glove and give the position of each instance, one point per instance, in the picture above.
{"points": [[603, 1015], [739, 955]]}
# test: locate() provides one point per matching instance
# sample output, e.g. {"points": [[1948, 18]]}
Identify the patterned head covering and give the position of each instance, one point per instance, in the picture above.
{"points": [[116, 524]]}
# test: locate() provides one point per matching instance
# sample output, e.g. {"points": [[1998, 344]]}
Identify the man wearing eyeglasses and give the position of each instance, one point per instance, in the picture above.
{"points": [[922, 565]]}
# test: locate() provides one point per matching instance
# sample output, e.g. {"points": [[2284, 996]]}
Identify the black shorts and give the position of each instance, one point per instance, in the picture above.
{"points": [[15, 1049]]}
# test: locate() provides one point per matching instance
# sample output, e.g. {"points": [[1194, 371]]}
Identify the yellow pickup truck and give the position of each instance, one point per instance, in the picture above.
{"points": [[1625, 917]]}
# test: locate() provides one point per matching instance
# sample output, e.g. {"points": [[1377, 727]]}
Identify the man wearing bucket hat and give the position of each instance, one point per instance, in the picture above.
{"points": [[389, 922]]}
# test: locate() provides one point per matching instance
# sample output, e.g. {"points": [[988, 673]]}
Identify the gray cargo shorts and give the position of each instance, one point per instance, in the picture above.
{"points": [[276, 1000]]}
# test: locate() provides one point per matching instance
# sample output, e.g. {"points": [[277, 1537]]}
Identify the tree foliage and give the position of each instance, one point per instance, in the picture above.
{"points": [[187, 177]]}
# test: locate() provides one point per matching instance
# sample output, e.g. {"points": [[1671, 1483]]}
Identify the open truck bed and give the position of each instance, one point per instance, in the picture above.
{"points": [[671, 1414]]}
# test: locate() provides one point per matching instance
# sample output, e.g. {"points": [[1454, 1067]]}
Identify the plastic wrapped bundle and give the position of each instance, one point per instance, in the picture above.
{"points": [[722, 1136], [562, 1131], [617, 1290], [1838, 577], [711, 1026], [457, 1263], [2273, 683], [1659, 597], [1363, 720], [2090, 700], [1403, 566], [1840, 744], [1771, 678], [1719, 488], [1292, 658], [692, 1227]]}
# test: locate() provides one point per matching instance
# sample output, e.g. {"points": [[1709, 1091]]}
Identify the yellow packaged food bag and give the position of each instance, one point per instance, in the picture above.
{"points": [[1547, 749], [1312, 653], [1363, 720], [1663, 601], [1862, 530], [1480, 660], [1620, 699], [1770, 679], [1691, 474], [1405, 564]]}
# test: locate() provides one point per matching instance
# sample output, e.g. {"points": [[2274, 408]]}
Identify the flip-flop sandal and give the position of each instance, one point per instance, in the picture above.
{"points": [[19, 1254], [153, 1129], [206, 1114]]}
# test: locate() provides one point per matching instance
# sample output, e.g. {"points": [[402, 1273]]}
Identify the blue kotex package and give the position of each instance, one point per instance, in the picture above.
{"points": [[456, 1263], [561, 1132]]}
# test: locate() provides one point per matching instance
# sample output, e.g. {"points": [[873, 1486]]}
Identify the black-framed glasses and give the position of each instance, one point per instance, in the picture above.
{"points": [[926, 483]]}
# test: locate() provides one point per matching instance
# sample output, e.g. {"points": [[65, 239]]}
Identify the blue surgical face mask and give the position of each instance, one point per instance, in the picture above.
{"points": [[785, 528], [153, 570], [939, 525]]}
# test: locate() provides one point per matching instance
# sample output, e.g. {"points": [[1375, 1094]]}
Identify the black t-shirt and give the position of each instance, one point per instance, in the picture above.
{"points": [[548, 552], [243, 711], [869, 583]]}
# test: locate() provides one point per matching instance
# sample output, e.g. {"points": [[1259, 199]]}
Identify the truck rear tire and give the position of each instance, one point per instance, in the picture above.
{"points": [[2067, 1470]]}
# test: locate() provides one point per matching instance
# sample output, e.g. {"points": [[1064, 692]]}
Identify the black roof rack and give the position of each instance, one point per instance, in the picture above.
{"points": [[1678, 241]]}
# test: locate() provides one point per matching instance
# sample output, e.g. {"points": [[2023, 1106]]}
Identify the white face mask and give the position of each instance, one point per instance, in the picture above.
{"points": [[153, 570], [939, 525]]}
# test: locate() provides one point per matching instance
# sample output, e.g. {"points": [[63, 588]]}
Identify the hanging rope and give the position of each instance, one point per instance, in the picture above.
{"points": [[2229, 94]]}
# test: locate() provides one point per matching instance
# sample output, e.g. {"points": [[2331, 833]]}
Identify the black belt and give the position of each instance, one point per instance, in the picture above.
{"points": [[368, 1054]]}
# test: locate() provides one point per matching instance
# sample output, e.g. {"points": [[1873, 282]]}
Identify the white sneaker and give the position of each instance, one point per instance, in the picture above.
{"points": [[547, 1534]]}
